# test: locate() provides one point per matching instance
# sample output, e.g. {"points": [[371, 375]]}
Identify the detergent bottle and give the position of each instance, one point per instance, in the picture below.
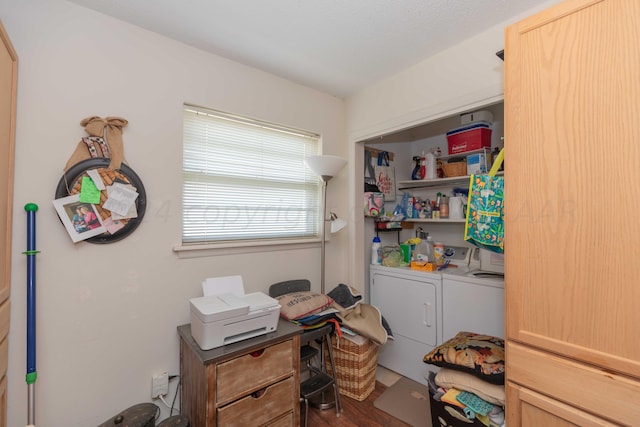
{"points": [[376, 256]]}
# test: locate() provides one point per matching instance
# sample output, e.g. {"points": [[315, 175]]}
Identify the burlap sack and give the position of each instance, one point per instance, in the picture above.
{"points": [[109, 128]]}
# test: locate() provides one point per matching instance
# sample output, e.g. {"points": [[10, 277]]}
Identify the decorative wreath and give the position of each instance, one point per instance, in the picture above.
{"points": [[103, 150]]}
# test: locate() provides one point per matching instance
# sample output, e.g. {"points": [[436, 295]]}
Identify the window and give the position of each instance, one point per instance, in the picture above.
{"points": [[244, 179]]}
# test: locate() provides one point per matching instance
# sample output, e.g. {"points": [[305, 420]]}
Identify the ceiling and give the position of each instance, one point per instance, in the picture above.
{"points": [[335, 46]]}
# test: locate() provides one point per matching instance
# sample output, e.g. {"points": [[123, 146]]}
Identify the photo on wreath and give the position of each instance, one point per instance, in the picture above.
{"points": [[81, 220]]}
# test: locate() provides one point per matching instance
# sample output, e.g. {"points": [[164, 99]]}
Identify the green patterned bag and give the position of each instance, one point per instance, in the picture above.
{"points": [[484, 226]]}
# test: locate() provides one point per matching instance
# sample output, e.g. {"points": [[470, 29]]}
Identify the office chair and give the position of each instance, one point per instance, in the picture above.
{"points": [[319, 380]]}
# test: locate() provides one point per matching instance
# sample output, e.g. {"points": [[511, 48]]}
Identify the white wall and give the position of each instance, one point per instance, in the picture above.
{"points": [[457, 79], [107, 314], [462, 78]]}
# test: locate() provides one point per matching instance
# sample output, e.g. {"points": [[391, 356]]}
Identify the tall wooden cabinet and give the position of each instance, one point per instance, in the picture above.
{"points": [[572, 138], [8, 87]]}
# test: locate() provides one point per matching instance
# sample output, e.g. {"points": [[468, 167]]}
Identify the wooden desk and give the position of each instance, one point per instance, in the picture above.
{"points": [[254, 382]]}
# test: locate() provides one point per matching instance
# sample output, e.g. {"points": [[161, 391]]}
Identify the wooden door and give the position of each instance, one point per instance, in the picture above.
{"points": [[572, 157], [572, 99], [8, 86]]}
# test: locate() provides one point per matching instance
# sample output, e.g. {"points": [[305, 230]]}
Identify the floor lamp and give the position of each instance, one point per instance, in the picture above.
{"points": [[326, 167]]}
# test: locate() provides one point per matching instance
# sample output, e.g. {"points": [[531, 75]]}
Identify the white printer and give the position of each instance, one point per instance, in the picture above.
{"points": [[225, 314]]}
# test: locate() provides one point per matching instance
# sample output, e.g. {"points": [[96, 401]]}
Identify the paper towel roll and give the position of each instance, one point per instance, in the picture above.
{"points": [[455, 208], [431, 166]]}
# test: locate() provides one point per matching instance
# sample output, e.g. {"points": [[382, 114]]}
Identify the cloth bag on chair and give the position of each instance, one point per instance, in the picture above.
{"points": [[484, 226]]}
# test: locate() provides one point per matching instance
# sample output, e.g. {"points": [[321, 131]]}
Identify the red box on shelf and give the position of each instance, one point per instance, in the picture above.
{"points": [[469, 138]]}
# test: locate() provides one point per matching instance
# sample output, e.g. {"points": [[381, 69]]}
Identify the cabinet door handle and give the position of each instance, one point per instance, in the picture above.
{"points": [[427, 314]]}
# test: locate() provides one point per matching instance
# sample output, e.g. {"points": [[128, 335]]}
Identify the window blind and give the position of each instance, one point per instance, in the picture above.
{"points": [[245, 179]]}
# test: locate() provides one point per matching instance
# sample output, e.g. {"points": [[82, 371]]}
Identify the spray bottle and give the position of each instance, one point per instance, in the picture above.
{"points": [[415, 175]]}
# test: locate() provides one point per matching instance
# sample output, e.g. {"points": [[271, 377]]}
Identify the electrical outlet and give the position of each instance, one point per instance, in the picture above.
{"points": [[159, 385]]}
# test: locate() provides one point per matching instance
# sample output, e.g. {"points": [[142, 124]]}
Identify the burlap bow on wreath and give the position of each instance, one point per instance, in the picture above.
{"points": [[105, 140]]}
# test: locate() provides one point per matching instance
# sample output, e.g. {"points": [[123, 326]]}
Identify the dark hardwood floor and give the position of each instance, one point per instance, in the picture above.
{"points": [[354, 414]]}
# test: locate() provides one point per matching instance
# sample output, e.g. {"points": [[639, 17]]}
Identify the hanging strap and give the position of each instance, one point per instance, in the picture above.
{"points": [[497, 163], [383, 158], [369, 173]]}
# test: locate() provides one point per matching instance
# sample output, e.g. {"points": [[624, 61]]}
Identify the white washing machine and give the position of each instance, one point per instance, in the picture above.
{"points": [[411, 303], [473, 301], [424, 309]]}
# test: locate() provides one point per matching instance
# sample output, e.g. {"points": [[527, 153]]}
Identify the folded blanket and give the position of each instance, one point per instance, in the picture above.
{"points": [[315, 319]]}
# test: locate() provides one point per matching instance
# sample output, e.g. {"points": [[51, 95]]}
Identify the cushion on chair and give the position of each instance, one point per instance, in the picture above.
{"points": [[289, 286], [300, 304]]}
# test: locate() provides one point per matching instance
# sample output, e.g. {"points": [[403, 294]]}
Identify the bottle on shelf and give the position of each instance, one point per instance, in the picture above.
{"points": [[426, 210], [415, 175], [439, 171], [417, 207], [444, 207], [376, 256]]}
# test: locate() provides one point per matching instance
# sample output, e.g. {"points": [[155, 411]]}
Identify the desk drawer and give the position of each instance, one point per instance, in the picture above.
{"points": [[260, 408], [250, 372], [283, 421]]}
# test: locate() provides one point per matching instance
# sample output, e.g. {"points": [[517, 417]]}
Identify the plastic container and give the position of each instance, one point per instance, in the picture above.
{"points": [[431, 248], [456, 208], [407, 252], [469, 138], [376, 256], [476, 116], [477, 164], [438, 251], [423, 252]]}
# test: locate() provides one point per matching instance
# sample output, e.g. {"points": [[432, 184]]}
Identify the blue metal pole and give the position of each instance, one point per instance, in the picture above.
{"points": [[31, 209]]}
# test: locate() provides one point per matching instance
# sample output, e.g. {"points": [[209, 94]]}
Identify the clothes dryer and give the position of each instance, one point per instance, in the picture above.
{"points": [[473, 301], [411, 303]]}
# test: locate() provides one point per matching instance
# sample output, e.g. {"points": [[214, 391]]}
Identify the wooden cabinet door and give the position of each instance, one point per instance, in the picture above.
{"points": [[572, 132], [8, 86], [537, 410], [583, 388]]}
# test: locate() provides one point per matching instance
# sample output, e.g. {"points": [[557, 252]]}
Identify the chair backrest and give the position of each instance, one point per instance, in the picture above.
{"points": [[288, 286]]}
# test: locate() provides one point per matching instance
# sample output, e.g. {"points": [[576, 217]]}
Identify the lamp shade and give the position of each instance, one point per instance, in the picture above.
{"points": [[326, 166], [337, 225]]}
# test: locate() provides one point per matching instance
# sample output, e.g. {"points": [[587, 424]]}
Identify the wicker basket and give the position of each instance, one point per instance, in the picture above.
{"points": [[355, 367], [454, 169]]}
